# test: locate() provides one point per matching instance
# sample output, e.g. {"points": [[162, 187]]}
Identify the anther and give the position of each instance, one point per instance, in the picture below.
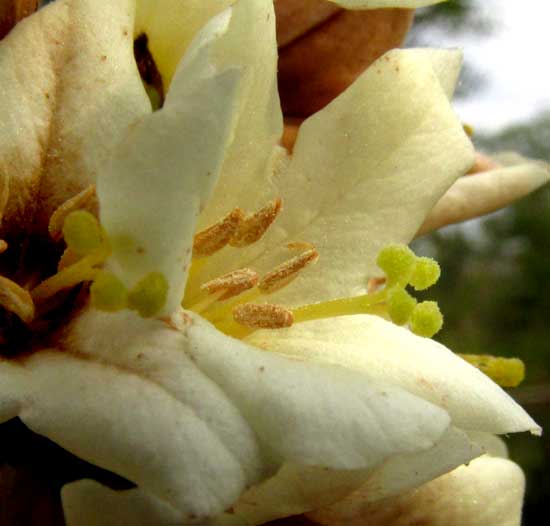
{"points": [[232, 283], [287, 271], [84, 200], [16, 299], [375, 284], [3, 246], [255, 225], [217, 236], [262, 316]]}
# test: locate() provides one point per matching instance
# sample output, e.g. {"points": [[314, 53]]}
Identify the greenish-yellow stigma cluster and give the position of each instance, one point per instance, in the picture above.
{"points": [[402, 268], [90, 245]]}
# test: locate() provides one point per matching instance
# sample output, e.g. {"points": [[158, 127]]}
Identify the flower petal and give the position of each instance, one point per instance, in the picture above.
{"points": [[419, 365], [170, 26], [293, 490], [251, 44], [298, 489], [295, 406], [487, 492], [166, 167], [195, 417], [365, 172], [476, 195], [72, 65]]}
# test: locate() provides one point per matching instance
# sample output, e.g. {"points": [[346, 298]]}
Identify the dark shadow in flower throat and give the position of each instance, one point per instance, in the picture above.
{"points": [[148, 71]]}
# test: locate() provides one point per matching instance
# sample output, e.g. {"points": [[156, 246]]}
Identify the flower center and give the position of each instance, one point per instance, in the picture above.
{"points": [[235, 302]]}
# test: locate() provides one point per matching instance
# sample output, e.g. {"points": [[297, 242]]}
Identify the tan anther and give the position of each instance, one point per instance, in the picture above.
{"points": [[16, 299], [373, 284], [262, 316], [215, 237], [86, 200], [282, 275], [299, 245], [3, 246], [233, 283], [255, 225]]}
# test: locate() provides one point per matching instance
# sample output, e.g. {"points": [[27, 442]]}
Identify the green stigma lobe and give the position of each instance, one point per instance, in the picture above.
{"points": [[397, 262], [108, 293], [426, 319], [506, 372], [400, 305], [82, 232], [149, 295], [425, 274]]}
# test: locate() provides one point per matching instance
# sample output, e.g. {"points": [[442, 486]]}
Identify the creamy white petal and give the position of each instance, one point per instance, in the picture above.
{"points": [[379, 4], [313, 413], [159, 176], [88, 503], [70, 89], [251, 44], [365, 172], [479, 194], [195, 417], [293, 490], [170, 26], [487, 492], [420, 365]]}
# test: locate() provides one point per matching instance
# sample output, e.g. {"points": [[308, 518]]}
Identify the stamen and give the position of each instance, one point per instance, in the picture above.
{"points": [[232, 283], [506, 372], [217, 236], [287, 272], [365, 304], [262, 316], [83, 200], [254, 226], [16, 299], [70, 276]]}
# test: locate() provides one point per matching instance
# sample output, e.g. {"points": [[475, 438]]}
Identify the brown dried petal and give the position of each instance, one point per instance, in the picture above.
{"points": [[12, 11], [323, 62]]}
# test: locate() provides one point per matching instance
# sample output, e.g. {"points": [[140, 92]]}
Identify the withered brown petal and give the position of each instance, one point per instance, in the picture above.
{"points": [[324, 61]]}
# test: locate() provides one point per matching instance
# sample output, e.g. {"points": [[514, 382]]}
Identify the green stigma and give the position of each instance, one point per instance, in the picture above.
{"points": [[400, 305], [149, 294], [82, 232], [108, 293], [506, 372], [397, 262], [425, 274], [426, 319]]}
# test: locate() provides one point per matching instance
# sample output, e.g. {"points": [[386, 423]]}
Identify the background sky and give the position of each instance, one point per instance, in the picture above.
{"points": [[514, 58]]}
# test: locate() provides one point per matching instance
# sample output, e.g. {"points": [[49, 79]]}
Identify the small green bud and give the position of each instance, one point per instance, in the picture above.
{"points": [[397, 261], [82, 232], [425, 274], [108, 293], [426, 319], [400, 305], [149, 294]]}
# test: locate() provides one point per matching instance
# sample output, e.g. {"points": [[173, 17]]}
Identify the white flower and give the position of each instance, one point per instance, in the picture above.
{"points": [[176, 404]]}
